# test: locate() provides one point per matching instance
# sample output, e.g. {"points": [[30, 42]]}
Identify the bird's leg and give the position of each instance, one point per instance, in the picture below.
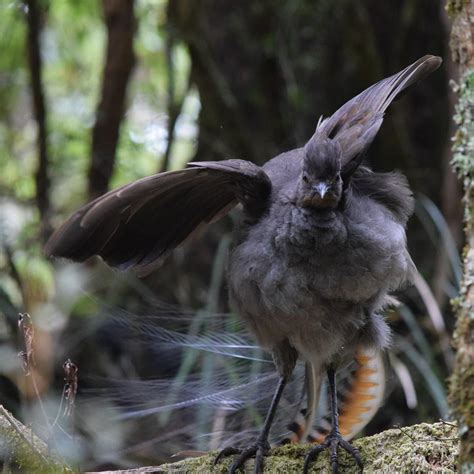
{"points": [[334, 439], [285, 358], [261, 446]]}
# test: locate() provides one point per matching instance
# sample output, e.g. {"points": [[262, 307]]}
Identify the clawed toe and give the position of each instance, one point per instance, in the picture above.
{"points": [[228, 451], [259, 450], [332, 442], [353, 451]]}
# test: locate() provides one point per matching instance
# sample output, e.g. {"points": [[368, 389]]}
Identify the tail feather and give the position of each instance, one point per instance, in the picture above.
{"points": [[355, 125], [313, 387], [366, 394], [303, 424], [359, 400]]}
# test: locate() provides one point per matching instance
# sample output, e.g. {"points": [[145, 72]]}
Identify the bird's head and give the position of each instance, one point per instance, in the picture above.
{"points": [[320, 182]]}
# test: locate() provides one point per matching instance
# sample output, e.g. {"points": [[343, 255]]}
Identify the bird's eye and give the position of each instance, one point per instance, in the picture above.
{"points": [[305, 178]]}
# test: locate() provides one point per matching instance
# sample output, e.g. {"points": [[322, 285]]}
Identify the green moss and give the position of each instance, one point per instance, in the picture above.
{"points": [[27, 453], [26, 460], [463, 147], [420, 448], [462, 381], [453, 6]]}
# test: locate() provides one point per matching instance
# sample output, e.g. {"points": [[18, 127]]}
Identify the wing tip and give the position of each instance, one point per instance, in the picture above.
{"points": [[54, 246]]}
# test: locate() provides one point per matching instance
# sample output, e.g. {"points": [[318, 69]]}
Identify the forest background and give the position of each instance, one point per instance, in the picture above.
{"points": [[97, 94]]}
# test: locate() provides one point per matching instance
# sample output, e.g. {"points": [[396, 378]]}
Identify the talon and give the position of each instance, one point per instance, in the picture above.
{"points": [[353, 451], [312, 455], [228, 451], [332, 441], [240, 460], [259, 450]]}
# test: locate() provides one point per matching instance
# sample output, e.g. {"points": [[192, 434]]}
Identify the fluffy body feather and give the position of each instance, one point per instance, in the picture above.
{"points": [[318, 278]]}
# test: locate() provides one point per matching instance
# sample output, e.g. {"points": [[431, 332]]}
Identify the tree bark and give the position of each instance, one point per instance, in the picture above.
{"points": [[120, 59], [462, 380], [33, 16]]}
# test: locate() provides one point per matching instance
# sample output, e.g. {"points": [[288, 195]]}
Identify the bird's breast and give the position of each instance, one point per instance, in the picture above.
{"points": [[309, 231], [348, 256], [295, 265]]}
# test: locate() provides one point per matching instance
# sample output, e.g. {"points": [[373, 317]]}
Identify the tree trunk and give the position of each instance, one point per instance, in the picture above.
{"points": [[462, 380], [120, 21], [33, 16]]}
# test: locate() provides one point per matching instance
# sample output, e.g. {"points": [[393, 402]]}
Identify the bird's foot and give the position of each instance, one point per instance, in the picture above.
{"points": [[332, 442], [259, 449]]}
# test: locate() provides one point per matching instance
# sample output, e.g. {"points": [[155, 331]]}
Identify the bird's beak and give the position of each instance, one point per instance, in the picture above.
{"points": [[321, 189]]}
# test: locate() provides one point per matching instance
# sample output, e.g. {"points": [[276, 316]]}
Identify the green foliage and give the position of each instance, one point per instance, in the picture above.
{"points": [[73, 46], [15, 130], [12, 59]]}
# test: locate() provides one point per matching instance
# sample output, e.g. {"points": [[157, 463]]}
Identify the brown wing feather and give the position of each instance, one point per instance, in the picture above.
{"points": [[137, 225]]}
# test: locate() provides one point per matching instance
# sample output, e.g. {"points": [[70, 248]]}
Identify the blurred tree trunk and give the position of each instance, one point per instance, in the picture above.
{"points": [[462, 381], [33, 17], [119, 61], [175, 102]]}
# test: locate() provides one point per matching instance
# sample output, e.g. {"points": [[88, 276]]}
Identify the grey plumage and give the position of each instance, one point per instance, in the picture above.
{"points": [[320, 245]]}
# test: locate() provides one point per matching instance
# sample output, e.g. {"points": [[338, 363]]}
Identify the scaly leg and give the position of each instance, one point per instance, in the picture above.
{"points": [[285, 357], [334, 438], [261, 446]]}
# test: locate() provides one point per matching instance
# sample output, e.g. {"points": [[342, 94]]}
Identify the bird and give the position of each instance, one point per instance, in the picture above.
{"points": [[318, 250]]}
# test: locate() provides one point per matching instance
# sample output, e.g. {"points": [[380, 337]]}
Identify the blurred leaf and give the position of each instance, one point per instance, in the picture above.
{"points": [[434, 385]]}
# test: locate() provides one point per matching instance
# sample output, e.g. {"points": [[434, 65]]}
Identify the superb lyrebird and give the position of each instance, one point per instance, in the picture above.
{"points": [[320, 244]]}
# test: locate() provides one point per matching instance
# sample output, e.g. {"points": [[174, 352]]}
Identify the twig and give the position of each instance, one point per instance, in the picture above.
{"points": [[453, 425], [26, 328], [436, 439], [70, 389], [398, 427], [27, 331]]}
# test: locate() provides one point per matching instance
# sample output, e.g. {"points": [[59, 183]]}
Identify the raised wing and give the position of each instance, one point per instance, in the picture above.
{"points": [[357, 122], [138, 225]]}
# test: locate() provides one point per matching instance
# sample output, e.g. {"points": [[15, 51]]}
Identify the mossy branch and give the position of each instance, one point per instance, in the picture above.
{"points": [[418, 448], [23, 450]]}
